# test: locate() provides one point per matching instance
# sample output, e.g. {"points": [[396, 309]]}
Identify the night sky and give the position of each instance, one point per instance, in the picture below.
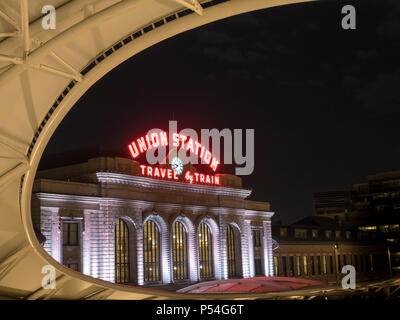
{"points": [[324, 102]]}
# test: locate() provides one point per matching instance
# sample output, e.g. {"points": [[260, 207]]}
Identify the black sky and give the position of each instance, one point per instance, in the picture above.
{"points": [[324, 102]]}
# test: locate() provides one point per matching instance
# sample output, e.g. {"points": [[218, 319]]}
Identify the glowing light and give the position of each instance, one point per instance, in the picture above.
{"points": [[160, 139], [170, 174]]}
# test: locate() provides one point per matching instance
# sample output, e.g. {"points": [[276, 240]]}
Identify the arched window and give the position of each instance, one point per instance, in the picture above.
{"points": [[231, 254], [179, 251], [205, 252], [121, 252], [151, 252]]}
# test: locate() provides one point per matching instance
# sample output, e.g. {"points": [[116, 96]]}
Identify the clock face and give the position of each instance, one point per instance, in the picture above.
{"points": [[177, 165]]}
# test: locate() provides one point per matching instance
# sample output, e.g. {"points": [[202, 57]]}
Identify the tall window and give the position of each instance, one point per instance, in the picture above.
{"points": [[205, 252], [257, 252], [298, 265], [318, 264], [355, 259], [179, 251], [151, 252], [291, 266], [284, 266], [70, 234], [331, 264], [230, 247], [362, 265], [121, 252], [71, 252], [276, 266], [305, 266], [312, 265]]}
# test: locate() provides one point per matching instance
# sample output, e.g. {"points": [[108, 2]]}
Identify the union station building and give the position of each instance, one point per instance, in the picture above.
{"points": [[106, 219]]}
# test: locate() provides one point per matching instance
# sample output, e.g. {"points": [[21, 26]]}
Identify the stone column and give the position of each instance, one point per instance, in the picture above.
{"points": [[251, 248], [222, 247], [50, 228], [268, 255], [139, 246], [192, 252], [165, 255], [244, 240], [86, 242], [102, 243]]}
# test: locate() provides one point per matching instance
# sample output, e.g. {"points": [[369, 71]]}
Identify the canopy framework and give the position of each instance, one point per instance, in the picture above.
{"points": [[42, 75]]}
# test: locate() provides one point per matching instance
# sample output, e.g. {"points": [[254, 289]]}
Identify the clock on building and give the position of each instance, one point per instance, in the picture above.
{"points": [[177, 165]]}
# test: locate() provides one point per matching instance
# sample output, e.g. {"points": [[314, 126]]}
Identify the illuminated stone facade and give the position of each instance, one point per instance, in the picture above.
{"points": [[77, 207]]}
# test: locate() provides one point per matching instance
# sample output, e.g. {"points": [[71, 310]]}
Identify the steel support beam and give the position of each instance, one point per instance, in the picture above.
{"points": [[25, 26], [192, 4], [11, 261], [9, 20]]}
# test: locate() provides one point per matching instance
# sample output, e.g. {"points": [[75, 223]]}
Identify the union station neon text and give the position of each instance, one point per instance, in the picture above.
{"points": [[160, 139]]}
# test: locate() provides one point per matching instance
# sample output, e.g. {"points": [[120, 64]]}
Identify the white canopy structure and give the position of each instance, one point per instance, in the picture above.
{"points": [[43, 73]]}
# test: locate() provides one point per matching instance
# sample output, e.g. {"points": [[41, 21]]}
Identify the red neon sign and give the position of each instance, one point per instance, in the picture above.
{"points": [[169, 174], [160, 139], [158, 172]]}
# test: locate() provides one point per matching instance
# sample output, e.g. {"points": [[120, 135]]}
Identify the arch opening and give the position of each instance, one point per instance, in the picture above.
{"points": [[180, 264], [206, 258], [234, 252], [122, 252], [59, 109], [151, 252]]}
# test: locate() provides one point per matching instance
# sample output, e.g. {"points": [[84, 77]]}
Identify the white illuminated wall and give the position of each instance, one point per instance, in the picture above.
{"points": [[98, 236]]}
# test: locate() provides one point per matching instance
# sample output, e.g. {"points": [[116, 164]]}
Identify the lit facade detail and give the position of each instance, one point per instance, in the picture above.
{"points": [[205, 252], [140, 230], [231, 251], [179, 251], [121, 252], [151, 252], [160, 140]]}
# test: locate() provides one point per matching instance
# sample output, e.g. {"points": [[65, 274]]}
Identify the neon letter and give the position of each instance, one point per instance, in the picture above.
{"points": [[214, 164], [142, 144], [183, 138], [154, 140], [163, 138], [162, 172], [207, 157], [148, 141], [133, 149], [198, 145], [190, 145], [175, 139]]}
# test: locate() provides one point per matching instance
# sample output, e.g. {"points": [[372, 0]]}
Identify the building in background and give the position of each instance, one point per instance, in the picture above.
{"points": [[106, 219], [317, 248], [373, 207]]}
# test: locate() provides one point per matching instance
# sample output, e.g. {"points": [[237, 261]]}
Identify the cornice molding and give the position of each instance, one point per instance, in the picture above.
{"points": [[149, 183]]}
